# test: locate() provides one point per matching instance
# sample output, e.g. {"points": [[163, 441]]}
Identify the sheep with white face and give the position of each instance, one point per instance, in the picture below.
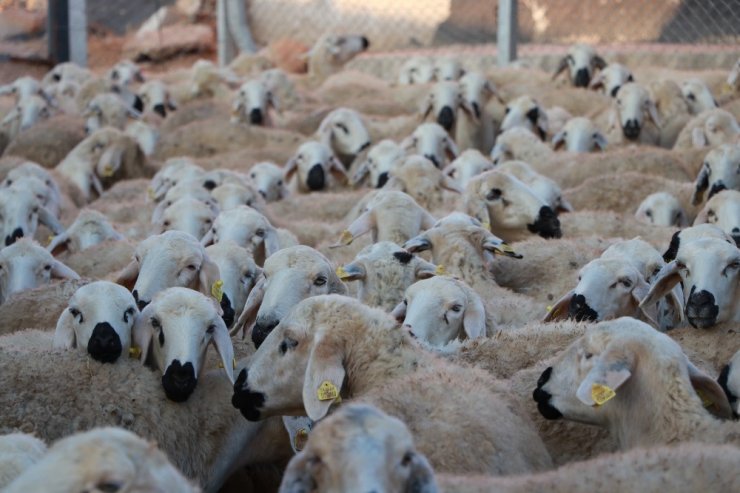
{"points": [[187, 214], [239, 274], [315, 168], [174, 171], [53, 197], [174, 332], [698, 96], [267, 178], [611, 78], [124, 74], [447, 68], [381, 159], [89, 229], [582, 63], [723, 210], [422, 180], [21, 88], [232, 195], [433, 142], [526, 112], [477, 130], [416, 70], [332, 51], [26, 265], [444, 103], [542, 186], [192, 189], [252, 104], [107, 110], [580, 134], [344, 132], [721, 171], [21, 211], [628, 116], [25, 114], [661, 209], [98, 319], [156, 98], [466, 166]]}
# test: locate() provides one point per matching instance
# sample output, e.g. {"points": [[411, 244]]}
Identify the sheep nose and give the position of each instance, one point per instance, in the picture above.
{"points": [[365, 43], [579, 309], [255, 117], [446, 118], [582, 78], [542, 397], [209, 184], [16, 235], [701, 309], [104, 344], [631, 129], [138, 104], [229, 313], [262, 329], [316, 178], [179, 381], [382, 179], [716, 188], [245, 400], [160, 110], [547, 224]]}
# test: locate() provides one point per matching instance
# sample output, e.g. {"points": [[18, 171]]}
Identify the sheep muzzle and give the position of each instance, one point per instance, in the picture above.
{"points": [[245, 400], [701, 309], [179, 381], [316, 178], [104, 344]]}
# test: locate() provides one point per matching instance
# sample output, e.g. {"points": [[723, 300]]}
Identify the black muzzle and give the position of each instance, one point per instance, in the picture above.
{"points": [[316, 178], [701, 309], [547, 224], [542, 397], [104, 344], [179, 381], [579, 310], [246, 401]]}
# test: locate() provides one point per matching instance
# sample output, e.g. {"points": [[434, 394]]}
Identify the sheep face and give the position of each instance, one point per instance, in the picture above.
{"points": [[189, 215], [447, 69], [433, 142], [289, 276], [708, 270], [695, 232], [21, 88], [416, 70], [340, 49], [313, 165], [723, 210], [26, 113], [171, 259], [99, 318], [21, 210], [67, 71], [632, 103], [721, 171], [247, 228], [581, 61], [193, 189], [580, 135], [476, 90], [661, 209], [544, 188], [27, 176], [105, 110], [443, 102], [359, 448], [175, 171], [232, 195], [268, 180], [419, 177], [382, 158], [252, 103], [124, 73], [441, 309], [526, 112], [720, 127], [698, 96], [174, 332], [25, 265], [729, 380], [344, 132], [89, 229], [468, 165], [155, 97], [239, 274], [612, 78]]}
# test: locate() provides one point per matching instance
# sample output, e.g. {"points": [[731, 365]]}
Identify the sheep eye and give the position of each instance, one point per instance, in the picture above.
{"points": [[155, 323], [166, 224], [710, 213], [280, 183], [681, 265], [76, 313], [691, 97], [649, 213], [249, 204], [506, 112], [407, 458], [405, 303], [456, 308], [319, 281], [211, 329], [287, 343], [108, 487], [208, 221], [47, 267], [129, 312], [192, 267], [734, 265], [494, 194], [253, 176], [588, 355], [342, 127], [626, 283]]}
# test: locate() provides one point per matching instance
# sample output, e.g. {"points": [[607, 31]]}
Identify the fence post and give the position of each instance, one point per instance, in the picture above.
{"points": [[78, 32], [67, 28], [507, 31], [223, 35]]}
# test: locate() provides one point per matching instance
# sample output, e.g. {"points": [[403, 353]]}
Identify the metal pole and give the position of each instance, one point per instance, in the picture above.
{"points": [[58, 28], [507, 31], [225, 43], [78, 32]]}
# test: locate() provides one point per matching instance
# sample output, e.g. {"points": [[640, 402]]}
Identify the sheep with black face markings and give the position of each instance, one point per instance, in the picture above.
{"points": [[22, 210], [611, 78], [253, 103], [541, 185], [661, 209], [416, 70], [380, 160], [345, 133], [526, 112], [477, 130], [698, 96], [633, 116], [315, 168], [582, 63], [433, 142], [719, 172], [723, 210], [445, 104]]}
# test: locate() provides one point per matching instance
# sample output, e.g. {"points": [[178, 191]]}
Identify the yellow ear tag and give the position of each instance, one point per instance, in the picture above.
{"points": [[327, 391], [300, 440], [134, 352], [506, 248], [51, 238], [108, 171], [233, 363], [705, 402], [150, 192], [726, 88], [217, 290], [341, 273], [549, 308], [487, 225], [346, 237], [440, 270], [601, 393]]}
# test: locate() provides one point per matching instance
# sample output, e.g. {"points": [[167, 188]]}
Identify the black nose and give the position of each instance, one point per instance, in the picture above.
{"points": [[701, 309], [138, 104], [16, 235], [542, 397], [104, 344], [579, 309], [140, 303], [547, 224], [631, 129], [446, 118], [179, 381], [722, 381], [582, 78], [615, 90], [246, 401], [365, 43], [433, 159], [209, 184], [160, 110], [716, 188], [316, 178], [255, 117], [262, 329], [382, 179], [228, 316]]}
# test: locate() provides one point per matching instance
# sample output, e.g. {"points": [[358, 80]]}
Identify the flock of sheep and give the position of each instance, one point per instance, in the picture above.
{"points": [[425, 281]]}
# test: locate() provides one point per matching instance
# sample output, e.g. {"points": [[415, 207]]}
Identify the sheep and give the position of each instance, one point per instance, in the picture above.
{"points": [[103, 459], [18, 452], [343, 131], [509, 207], [22, 87], [729, 380], [322, 356], [289, 276], [447, 69], [248, 228], [416, 70], [186, 214], [384, 271], [193, 188], [719, 172], [698, 96], [627, 118], [174, 171], [336, 456], [723, 210], [280, 85], [267, 178], [170, 259], [107, 110], [422, 180], [26, 113], [441, 309], [433, 142], [519, 143], [21, 211], [468, 164], [381, 159], [708, 129], [708, 271], [331, 52], [98, 319], [239, 274], [231, 195], [66, 71], [541, 186], [53, 197], [315, 168], [206, 79], [391, 216], [580, 134], [124, 73], [443, 103], [557, 117], [661, 209], [611, 78], [477, 131], [526, 112], [582, 62], [156, 98], [145, 135], [25, 265], [686, 235], [601, 366], [252, 104]]}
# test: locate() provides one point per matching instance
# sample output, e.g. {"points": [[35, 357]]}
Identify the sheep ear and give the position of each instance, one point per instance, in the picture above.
{"points": [[128, 275], [564, 206], [399, 312], [61, 271], [451, 148], [427, 220], [612, 369], [58, 243], [299, 475], [336, 286], [488, 86], [222, 342], [700, 186], [362, 171], [142, 334], [251, 307], [421, 476], [271, 242], [425, 270], [353, 271], [662, 285], [64, 334], [600, 141], [562, 65], [474, 319], [290, 169], [209, 274], [711, 394], [599, 62], [558, 140], [468, 109], [559, 310], [324, 377], [418, 243], [50, 221], [449, 184], [639, 291], [698, 138], [364, 223], [653, 113]]}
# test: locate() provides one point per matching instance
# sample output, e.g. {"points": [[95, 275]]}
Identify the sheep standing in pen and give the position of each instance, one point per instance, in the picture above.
{"points": [[527, 113], [343, 131], [253, 104], [445, 104], [611, 78], [580, 134], [433, 142], [466, 166], [477, 130], [268, 180]]}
